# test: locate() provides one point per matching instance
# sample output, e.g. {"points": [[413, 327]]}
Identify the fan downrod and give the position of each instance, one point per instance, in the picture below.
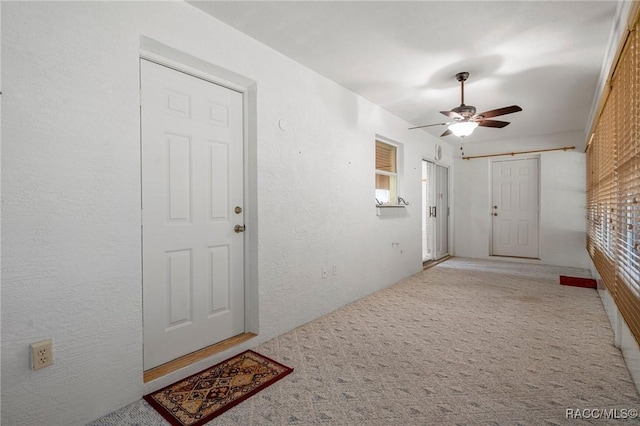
{"points": [[462, 77]]}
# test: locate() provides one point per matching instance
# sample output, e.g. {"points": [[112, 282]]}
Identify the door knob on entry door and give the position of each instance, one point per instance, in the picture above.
{"points": [[495, 214], [239, 228]]}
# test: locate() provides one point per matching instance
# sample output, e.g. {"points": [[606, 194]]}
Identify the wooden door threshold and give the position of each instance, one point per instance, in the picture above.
{"points": [[186, 360], [431, 263]]}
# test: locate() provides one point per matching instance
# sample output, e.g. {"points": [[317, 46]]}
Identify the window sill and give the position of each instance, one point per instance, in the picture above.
{"points": [[391, 210]]}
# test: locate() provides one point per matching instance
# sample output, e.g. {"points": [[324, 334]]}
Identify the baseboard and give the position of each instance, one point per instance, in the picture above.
{"points": [[624, 340], [432, 263]]}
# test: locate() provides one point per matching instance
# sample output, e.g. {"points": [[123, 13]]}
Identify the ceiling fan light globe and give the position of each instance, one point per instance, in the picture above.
{"points": [[463, 128]]}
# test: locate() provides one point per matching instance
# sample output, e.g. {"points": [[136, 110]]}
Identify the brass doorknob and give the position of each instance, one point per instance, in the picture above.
{"points": [[239, 228], [495, 214]]}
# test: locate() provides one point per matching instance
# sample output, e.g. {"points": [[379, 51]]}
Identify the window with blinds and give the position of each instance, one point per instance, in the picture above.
{"points": [[613, 186], [386, 173]]}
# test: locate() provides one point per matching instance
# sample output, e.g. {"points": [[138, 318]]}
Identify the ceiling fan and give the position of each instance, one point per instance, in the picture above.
{"points": [[464, 117]]}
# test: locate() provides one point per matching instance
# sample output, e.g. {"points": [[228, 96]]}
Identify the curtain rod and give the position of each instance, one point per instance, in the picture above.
{"points": [[564, 148]]}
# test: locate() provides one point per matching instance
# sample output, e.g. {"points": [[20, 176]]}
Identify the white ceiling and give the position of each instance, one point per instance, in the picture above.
{"points": [[544, 56]]}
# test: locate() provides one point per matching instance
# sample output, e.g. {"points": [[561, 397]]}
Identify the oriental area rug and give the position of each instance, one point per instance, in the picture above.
{"points": [[197, 399]]}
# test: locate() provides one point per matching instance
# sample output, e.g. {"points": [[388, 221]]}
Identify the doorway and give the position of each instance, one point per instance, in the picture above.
{"points": [[515, 208], [435, 212], [193, 218]]}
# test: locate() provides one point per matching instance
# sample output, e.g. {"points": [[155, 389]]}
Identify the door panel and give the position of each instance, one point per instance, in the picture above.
{"points": [[179, 282], [192, 179], [515, 208], [179, 165]]}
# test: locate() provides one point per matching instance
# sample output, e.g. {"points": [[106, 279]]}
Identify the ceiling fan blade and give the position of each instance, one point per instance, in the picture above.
{"points": [[446, 133], [428, 125], [500, 111], [493, 123], [452, 114]]}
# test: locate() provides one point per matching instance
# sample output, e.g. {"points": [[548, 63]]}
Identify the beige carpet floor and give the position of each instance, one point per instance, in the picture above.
{"points": [[467, 342]]}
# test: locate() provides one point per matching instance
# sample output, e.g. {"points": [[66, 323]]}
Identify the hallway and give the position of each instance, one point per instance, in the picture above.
{"points": [[465, 342]]}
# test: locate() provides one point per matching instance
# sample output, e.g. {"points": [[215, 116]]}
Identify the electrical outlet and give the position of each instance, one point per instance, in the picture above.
{"points": [[41, 354]]}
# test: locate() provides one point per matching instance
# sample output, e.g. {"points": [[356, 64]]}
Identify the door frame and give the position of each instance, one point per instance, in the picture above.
{"points": [[166, 56], [449, 202], [490, 205]]}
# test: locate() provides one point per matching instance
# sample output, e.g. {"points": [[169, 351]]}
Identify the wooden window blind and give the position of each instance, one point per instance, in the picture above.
{"points": [[385, 157], [613, 185], [386, 172]]}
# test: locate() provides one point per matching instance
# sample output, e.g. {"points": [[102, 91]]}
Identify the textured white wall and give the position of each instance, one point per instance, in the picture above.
{"points": [[562, 208], [562, 199], [71, 195]]}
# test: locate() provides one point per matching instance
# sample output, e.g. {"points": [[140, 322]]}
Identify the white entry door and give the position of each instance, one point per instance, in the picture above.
{"points": [[515, 208], [192, 198]]}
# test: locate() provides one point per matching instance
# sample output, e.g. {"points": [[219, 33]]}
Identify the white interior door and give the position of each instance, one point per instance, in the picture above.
{"points": [[192, 197], [515, 208], [435, 211]]}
